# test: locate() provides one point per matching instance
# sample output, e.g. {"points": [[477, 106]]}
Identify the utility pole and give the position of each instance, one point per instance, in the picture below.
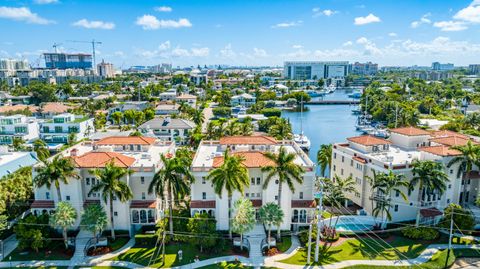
{"points": [[319, 217], [449, 239], [309, 242]]}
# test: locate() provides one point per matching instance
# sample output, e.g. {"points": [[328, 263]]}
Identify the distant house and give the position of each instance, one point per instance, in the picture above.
{"points": [[169, 95], [244, 99], [50, 109], [131, 105], [58, 129], [168, 129], [191, 100], [8, 99], [19, 126], [167, 108]]}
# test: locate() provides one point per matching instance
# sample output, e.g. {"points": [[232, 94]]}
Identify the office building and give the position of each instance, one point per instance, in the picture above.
{"points": [[305, 70], [68, 61], [436, 66], [13, 65], [364, 69], [105, 70], [474, 69]]}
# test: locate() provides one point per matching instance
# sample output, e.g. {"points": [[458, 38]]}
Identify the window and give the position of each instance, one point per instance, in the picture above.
{"points": [[334, 155], [358, 180], [139, 148], [341, 171], [204, 181], [463, 182], [247, 194], [359, 167], [67, 197], [132, 147], [93, 181], [397, 193], [151, 219], [143, 196], [204, 195], [252, 194], [47, 195], [87, 181], [142, 180], [357, 194], [343, 159], [276, 197], [448, 201], [135, 216], [258, 194], [258, 181], [252, 180], [468, 182], [300, 195], [143, 216], [115, 213], [351, 163], [396, 208], [449, 186], [334, 168], [451, 171]]}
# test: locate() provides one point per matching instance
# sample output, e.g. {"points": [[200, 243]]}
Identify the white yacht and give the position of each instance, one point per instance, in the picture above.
{"points": [[302, 141]]}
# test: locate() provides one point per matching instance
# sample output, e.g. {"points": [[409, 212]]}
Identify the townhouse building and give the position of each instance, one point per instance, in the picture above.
{"points": [[298, 206], [244, 99], [361, 156], [169, 129], [58, 129], [19, 126], [141, 155]]}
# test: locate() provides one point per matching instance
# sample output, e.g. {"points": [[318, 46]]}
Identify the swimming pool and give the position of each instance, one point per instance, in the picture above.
{"points": [[351, 224]]}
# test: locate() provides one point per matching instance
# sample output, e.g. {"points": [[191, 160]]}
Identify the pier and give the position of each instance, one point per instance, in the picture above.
{"points": [[334, 102]]}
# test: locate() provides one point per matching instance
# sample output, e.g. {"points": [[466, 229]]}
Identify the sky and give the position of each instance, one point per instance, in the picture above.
{"points": [[244, 32]]}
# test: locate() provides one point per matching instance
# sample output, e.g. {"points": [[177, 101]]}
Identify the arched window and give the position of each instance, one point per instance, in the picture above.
{"points": [[303, 216], [143, 216], [211, 213], [151, 218], [135, 216], [295, 216]]}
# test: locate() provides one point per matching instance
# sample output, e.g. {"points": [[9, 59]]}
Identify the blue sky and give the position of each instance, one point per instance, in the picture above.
{"points": [[237, 32]]}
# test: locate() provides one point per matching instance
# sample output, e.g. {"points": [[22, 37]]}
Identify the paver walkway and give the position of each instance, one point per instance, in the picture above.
{"points": [[9, 245]]}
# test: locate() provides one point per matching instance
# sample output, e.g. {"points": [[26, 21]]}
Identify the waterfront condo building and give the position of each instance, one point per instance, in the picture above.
{"points": [[141, 155], [306, 70], [19, 126], [297, 206], [360, 156], [58, 129]]}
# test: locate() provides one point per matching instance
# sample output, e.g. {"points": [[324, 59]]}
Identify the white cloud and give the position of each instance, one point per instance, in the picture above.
{"points": [[326, 12], [423, 20], [22, 14], [470, 13], [165, 50], [163, 9], [370, 18], [200, 52], [149, 22], [297, 46], [450, 26], [287, 24], [392, 34], [164, 46], [228, 52], [94, 24], [45, 2], [261, 53], [348, 43]]}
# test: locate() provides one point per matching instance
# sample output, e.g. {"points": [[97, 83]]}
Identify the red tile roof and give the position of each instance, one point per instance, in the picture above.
{"points": [[430, 212], [452, 141], [446, 133], [251, 159], [17, 108], [126, 140], [143, 204], [368, 140], [410, 131], [100, 159], [303, 203], [202, 204], [54, 107], [248, 140], [43, 204], [441, 150]]}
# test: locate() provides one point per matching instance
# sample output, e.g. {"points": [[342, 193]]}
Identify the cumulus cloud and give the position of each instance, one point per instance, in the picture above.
{"points": [[94, 24], [260, 53], [348, 43], [163, 9], [392, 34], [45, 2], [297, 46], [22, 14], [228, 52], [287, 24], [450, 26], [470, 13], [165, 50], [326, 12], [149, 22], [423, 20], [370, 18]]}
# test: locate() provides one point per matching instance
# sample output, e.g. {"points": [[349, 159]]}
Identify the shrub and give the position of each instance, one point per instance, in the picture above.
{"points": [[222, 112], [271, 112], [272, 251], [420, 233]]}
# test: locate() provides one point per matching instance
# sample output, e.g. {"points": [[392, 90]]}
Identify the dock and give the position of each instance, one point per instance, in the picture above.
{"points": [[334, 102]]}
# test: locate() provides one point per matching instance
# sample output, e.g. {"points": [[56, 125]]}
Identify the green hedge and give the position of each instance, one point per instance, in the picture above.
{"points": [[146, 239], [420, 233]]}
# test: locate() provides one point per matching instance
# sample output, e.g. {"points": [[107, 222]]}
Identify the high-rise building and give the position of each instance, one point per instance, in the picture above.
{"points": [[474, 69], [105, 69], [13, 65], [300, 70], [67, 61], [442, 67], [367, 68]]}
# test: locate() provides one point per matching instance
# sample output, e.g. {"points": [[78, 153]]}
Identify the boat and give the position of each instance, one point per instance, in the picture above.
{"points": [[315, 93], [302, 141], [331, 88], [355, 95], [356, 111]]}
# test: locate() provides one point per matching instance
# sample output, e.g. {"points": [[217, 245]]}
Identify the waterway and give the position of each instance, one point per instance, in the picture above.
{"points": [[325, 124]]}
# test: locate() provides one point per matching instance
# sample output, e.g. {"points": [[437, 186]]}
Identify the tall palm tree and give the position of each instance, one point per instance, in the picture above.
{"points": [[231, 128], [232, 176], [40, 147], [470, 154], [324, 158], [174, 179], [18, 143], [246, 127], [57, 171], [271, 214], [336, 189], [117, 117], [430, 177], [281, 129], [111, 186], [198, 117], [285, 170]]}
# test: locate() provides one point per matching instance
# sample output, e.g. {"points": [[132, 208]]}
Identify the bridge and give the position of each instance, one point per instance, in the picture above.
{"points": [[334, 102]]}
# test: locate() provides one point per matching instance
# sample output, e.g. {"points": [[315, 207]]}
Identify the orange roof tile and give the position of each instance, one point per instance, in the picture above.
{"points": [[410, 131], [368, 140], [359, 159], [252, 159], [54, 107], [100, 159], [452, 141], [143, 204], [441, 150], [446, 133], [126, 140], [248, 140], [6, 109]]}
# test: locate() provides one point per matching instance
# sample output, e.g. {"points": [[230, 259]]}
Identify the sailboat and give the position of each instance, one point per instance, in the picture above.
{"points": [[301, 139]]}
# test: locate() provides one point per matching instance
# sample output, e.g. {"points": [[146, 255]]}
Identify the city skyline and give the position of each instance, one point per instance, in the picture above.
{"points": [[208, 32]]}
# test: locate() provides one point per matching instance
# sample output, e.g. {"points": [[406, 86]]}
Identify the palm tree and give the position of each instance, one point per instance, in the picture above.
{"points": [[110, 185], [129, 116], [174, 179], [285, 170], [57, 171], [198, 117], [430, 177], [231, 128], [324, 157], [40, 147], [271, 214], [64, 217], [336, 189], [469, 157], [281, 129], [232, 176], [246, 127], [117, 117], [18, 143]]}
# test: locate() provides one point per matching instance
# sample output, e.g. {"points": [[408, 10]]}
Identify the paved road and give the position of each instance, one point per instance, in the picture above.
{"points": [[207, 114]]}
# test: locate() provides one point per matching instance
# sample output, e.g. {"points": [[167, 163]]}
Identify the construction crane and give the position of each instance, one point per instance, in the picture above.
{"points": [[55, 45], [93, 42]]}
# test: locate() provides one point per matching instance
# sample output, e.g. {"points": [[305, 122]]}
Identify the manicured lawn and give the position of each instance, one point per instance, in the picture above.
{"points": [[362, 249], [100, 267], [142, 255], [118, 243], [54, 251], [285, 244], [227, 265]]}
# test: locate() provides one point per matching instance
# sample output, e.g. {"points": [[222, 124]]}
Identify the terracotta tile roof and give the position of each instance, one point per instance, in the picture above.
{"points": [[368, 140], [126, 140], [440, 150], [43, 204], [143, 204], [54, 107], [6, 109], [446, 133], [303, 203], [202, 204], [452, 141], [430, 212], [94, 159], [256, 202], [252, 159], [410, 131], [248, 140]]}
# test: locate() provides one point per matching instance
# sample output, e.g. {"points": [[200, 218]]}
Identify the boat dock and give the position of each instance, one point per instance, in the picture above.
{"points": [[334, 102]]}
